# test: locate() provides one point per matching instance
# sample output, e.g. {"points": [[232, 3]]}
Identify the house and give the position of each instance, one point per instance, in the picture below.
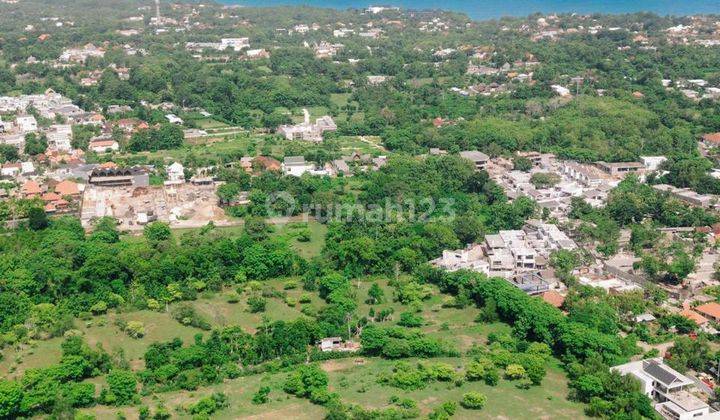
{"points": [[376, 80], [27, 168], [694, 316], [710, 310], [711, 139], [257, 54], [236, 44], [652, 163], [469, 258], [689, 196], [11, 170], [296, 166], [60, 137], [174, 119], [30, 189], [67, 188], [619, 169], [104, 146], [670, 389], [339, 166], [130, 125], [560, 90], [175, 173], [26, 124], [337, 344], [479, 159]]}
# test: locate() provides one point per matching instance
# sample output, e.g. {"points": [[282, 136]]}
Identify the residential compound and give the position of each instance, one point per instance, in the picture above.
{"points": [[306, 131], [672, 392], [591, 182], [519, 256], [706, 201], [236, 44]]}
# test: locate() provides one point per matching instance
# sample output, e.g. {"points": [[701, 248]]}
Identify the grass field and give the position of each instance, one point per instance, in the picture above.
{"points": [[354, 378]]}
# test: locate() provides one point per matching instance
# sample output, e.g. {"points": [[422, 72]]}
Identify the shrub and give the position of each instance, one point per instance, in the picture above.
{"points": [[410, 320], [209, 404], [305, 298], [135, 329], [153, 305], [232, 297], [261, 396], [256, 304], [122, 387], [290, 284], [99, 308], [187, 315], [444, 411], [514, 371], [305, 379], [473, 400]]}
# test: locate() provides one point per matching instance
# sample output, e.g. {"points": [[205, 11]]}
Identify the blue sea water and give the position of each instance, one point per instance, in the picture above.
{"points": [[490, 9]]}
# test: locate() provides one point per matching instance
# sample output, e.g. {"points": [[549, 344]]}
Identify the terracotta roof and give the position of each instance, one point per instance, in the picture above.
{"points": [[31, 187], [51, 196], [67, 188], [712, 138], [554, 298], [101, 143], [694, 316], [711, 309], [107, 165], [49, 207]]}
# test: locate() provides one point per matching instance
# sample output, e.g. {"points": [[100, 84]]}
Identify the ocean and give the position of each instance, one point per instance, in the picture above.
{"points": [[491, 9]]}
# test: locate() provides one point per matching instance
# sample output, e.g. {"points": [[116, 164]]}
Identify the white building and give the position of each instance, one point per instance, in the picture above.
{"points": [[60, 137], [652, 163], [560, 90], [307, 131], [670, 389], [236, 44], [26, 124], [175, 173], [174, 119], [296, 166]]}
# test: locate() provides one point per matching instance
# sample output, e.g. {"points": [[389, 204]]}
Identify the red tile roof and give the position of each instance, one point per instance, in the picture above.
{"points": [[711, 309], [554, 298], [712, 138], [694, 316], [67, 188]]}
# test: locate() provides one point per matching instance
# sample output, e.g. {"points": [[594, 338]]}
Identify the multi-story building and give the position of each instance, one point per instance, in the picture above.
{"points": [[671, 390]]}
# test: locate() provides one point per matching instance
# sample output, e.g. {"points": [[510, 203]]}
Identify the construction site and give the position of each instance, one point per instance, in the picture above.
{"points": [[182, 205]]}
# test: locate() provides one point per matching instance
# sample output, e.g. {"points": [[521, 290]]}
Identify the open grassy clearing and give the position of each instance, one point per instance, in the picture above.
{"points": [[309, 249], [354, 378], [159, 326]]}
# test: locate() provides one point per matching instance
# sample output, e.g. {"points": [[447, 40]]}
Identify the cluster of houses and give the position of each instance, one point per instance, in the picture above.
{"points": [[50, 106], [592, 182], [80, 55], [298, 166], [519, 256]]}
